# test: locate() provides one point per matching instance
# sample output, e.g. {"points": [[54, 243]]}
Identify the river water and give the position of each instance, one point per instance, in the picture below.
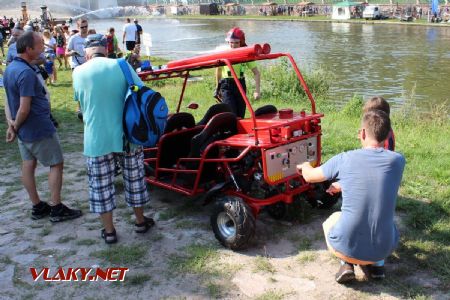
{"points": [[366, 59]]}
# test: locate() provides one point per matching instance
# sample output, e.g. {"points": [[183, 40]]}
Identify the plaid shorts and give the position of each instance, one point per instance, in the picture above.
{"points": [[101, 180]]}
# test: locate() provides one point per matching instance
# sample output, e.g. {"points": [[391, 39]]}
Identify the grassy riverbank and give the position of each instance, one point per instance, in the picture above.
{"points": [[424, 201]]}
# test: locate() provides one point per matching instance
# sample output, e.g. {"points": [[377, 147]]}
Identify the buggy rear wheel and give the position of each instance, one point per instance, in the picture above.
{"points": [[233, 222]]}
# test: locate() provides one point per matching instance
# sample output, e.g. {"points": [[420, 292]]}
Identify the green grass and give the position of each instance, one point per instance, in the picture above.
{"points": [[215, 291], [202, 260], [306, 257], [301, 243], [263, 264], [65, 239], [137, 279], [196, 259], [188, 224], [121, 254], [272, 295], [10, 190], [86, 242], [167, 214], [45, 231]]}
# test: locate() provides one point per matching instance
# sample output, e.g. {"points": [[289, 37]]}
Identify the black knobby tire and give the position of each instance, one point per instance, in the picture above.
{"points": [[319, 198], [233, 222]]}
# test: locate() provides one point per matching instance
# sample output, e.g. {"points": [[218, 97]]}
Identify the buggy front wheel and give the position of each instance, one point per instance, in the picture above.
{"points": [[233, 222]]}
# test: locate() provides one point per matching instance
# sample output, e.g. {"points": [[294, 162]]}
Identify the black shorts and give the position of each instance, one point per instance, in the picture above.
{"points": [[130, 45]]}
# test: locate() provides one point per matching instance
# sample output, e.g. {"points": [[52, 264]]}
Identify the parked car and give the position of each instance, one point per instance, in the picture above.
{"points": [[372, 12]]}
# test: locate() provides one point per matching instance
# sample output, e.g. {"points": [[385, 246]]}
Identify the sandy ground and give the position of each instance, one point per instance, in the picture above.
{"points": [[284, 260]]}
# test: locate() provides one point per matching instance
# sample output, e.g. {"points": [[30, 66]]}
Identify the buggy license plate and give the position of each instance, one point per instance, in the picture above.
{"points": [[282, 161]]}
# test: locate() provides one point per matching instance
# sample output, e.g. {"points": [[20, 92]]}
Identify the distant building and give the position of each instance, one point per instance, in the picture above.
{"points": [[131, 2], [96, 4]]}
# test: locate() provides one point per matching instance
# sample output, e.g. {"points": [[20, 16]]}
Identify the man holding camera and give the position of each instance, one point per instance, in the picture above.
{"points": [[75, 46]]}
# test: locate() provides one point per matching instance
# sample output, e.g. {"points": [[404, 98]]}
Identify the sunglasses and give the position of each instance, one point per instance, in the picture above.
{"points": [[83, 27]]}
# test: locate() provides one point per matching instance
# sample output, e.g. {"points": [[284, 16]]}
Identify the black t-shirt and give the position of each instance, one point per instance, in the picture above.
{"points": [[3, 32], [139, 28]]}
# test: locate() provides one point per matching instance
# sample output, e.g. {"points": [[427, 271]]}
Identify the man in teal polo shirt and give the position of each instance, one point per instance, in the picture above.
{"points": [[100, 87]]}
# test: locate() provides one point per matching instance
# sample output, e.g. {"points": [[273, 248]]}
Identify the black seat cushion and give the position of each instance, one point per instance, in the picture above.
{"points": [[214, 110], [176, 145], [220, 126], [266, 109], [179, 121]]}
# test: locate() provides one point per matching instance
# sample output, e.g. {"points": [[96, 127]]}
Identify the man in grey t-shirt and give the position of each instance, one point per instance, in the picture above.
{"points": [[364, 232], [75, 45]]}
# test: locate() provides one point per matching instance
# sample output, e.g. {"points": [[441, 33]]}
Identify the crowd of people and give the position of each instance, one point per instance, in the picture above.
{"points": [[30, 61], [362, 233]]}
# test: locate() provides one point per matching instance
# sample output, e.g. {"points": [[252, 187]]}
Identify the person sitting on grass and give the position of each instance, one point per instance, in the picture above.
{"points": [[134, 58], [363, 232], [381, 104]]}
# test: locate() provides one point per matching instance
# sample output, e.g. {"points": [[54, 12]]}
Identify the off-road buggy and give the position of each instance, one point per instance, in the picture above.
{"points": [[243, 165]]}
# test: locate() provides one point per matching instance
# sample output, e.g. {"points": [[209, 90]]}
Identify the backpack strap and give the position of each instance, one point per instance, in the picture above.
{"points": [[126, 71]]}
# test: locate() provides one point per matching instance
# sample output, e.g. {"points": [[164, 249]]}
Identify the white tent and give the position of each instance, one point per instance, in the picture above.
{"points": [[343, 10]]}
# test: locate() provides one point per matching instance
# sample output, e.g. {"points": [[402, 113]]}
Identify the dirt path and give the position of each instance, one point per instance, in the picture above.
{"points": [[180, 258]]}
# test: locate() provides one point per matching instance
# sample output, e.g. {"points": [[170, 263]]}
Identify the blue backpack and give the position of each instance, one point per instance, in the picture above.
{"points": [[145, 112]]}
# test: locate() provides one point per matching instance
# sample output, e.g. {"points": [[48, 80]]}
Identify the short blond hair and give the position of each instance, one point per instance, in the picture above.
{"points": [[377, 124], [379, 103]]}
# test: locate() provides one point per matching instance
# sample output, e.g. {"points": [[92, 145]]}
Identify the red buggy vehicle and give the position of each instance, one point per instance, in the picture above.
{"points": [[243, 165]]}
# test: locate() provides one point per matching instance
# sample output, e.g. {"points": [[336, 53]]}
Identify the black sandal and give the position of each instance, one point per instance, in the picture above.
{"points": [[110, 238], [144, 226]]}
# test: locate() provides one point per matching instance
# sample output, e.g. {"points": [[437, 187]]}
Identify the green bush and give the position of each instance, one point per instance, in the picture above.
{"points": [[280, 82], [353, 108]]}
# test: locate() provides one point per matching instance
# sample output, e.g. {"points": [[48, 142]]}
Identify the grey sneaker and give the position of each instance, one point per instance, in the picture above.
{"points": [[345, 274], [61, 213]]}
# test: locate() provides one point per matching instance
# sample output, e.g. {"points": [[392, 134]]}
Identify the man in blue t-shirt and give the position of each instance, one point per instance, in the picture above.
{"points": [[100, 87], [364, 232], [28, 117]]}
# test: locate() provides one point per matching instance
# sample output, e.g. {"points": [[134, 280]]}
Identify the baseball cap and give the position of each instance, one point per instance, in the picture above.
{"points": [[95, 40]]}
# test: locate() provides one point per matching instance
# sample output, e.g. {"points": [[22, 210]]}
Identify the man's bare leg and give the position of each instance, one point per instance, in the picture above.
{"points": [[139, 213], [55, 183], [29, 181], [107, 220]]}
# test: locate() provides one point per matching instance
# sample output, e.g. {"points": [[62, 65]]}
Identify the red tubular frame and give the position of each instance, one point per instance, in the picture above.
{"points": [[182, 69]]}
